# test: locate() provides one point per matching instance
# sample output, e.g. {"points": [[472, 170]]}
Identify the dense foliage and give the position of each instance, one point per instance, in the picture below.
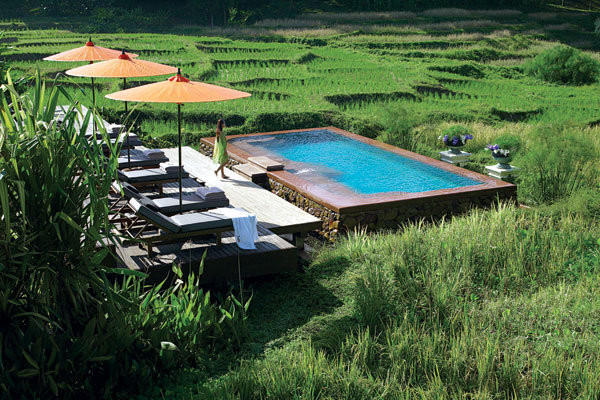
{"points": [[65, 330], [224, 12], [564, 64]]}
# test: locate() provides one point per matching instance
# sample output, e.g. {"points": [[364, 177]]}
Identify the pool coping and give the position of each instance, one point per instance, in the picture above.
{"points": [[344, 204]]}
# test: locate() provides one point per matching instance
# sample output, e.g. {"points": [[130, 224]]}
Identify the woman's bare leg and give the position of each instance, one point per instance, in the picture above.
{"points": [[222, 168]]}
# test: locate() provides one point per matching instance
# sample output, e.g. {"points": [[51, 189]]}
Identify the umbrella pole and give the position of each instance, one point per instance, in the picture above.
{"points": [[94, 107], [180, 163], [128, 146]]}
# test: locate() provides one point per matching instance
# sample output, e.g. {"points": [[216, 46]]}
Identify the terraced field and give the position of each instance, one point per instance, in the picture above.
{"points": [[356, 71]]}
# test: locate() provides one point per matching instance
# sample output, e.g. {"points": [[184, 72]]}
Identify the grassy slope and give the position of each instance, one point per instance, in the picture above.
{"points": [[509, 308]]}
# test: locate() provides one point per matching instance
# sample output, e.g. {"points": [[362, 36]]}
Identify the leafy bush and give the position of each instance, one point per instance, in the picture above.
{"points": [[564, 64], [65, 330], [277, 121], [398, 132], [557, 164]]}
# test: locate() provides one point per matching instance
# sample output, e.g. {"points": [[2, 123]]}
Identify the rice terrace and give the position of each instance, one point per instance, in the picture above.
{"points": [[300, 199]]}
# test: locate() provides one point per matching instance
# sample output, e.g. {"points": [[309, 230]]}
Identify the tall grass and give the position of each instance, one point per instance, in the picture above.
{"points": [[494, 304]]}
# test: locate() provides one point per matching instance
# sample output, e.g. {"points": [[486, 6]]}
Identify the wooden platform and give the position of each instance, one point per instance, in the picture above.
{"points": [[275, 216], [272, 255], [272, 212], [251, 172]]}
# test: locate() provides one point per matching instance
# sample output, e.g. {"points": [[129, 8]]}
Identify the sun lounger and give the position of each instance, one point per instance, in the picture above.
{"points": [[152, 176], [170, 204], [134, 140], [178, 227], [113, 131], [142, 158]]}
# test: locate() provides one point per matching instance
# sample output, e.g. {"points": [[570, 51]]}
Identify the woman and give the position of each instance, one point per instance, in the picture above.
{"points": [[220, 150]]}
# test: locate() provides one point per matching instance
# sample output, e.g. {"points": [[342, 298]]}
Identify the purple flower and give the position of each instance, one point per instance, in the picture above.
{"points": [[455, 141], [468, 137], [445, 139]]}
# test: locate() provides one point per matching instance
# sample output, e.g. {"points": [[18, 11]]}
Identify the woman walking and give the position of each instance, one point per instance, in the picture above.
{"points": [[220, 150]]}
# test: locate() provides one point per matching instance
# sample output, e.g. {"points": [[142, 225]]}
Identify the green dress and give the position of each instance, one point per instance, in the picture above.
{"points": [[220, 150]]}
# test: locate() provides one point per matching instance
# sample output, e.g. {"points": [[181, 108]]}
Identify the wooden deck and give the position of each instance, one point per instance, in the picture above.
{"points": [[275, 216], [272, 212], [272, 255]]}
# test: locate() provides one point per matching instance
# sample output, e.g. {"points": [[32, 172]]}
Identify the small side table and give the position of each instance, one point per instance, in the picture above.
{"points": [[456, 158]]}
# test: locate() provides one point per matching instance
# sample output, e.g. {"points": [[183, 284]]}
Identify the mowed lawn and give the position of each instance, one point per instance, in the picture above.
{"points": [[495, 304]]}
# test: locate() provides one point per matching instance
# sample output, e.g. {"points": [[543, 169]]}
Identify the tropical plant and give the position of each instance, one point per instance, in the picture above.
{"points": [[53, 286], [65, 330]]}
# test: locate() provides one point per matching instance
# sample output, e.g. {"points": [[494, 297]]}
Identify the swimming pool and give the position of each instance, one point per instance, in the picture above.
{"points": [[330, 160], [352, 181]]}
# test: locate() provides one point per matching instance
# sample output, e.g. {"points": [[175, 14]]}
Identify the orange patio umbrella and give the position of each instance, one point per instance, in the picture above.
{"points": [[90, 52], [178, 90], [122, 67]]}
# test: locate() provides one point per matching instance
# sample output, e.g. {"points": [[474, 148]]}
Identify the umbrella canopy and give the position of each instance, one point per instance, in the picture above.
{"points": [[122, 67], [90, 52], [178, 90]]}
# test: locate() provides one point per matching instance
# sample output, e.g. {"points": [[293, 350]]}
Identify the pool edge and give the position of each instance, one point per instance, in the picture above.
{"points": [[489, 186]]}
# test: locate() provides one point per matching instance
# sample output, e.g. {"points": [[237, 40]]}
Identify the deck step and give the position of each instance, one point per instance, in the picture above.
{"points": [[251, 172], [266, 163]]}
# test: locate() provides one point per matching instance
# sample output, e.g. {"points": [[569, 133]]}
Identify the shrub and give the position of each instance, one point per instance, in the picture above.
{"points": [[557, 164], [564, 64], [398, 131], [277, 121]]}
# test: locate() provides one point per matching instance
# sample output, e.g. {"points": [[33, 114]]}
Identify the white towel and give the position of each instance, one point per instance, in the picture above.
{"points": [[244, 226], [212, 192], [154, 153]]}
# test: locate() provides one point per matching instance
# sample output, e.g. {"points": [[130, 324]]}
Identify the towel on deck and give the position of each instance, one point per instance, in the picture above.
{"points": [[244, 226], [154, 153], [208, 193]]}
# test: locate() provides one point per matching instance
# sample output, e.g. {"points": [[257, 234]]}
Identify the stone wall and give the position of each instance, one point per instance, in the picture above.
{"points": [[387, 218], [331, 219]]}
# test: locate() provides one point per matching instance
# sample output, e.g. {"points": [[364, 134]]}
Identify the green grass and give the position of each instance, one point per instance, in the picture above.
{"points": [[497, 304]]}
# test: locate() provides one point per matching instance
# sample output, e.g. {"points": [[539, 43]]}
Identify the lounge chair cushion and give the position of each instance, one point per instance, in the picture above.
{"points": [[134, 140], [190, 202], [156, 218], [196, 222], [149, 175], [139, 160], [130, 191]]}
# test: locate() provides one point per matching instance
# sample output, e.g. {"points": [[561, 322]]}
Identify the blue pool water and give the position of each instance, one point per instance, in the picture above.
{"points": [[322, 156]]}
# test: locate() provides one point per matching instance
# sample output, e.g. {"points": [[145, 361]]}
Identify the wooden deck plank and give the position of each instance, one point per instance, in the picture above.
{"points": [[272, 255], [275, 214]]}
